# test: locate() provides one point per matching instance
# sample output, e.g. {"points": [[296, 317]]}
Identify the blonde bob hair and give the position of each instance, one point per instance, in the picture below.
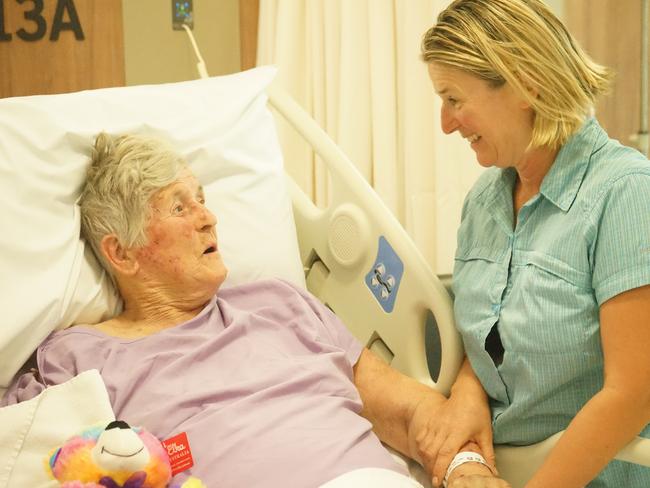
{"points": [[522, 43], [124, 173]]}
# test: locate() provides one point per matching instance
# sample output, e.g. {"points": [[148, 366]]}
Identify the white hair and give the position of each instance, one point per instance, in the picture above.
{"points": [[124, 173]]}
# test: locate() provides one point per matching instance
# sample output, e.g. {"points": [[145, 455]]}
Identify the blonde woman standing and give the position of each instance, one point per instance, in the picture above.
{"points": [[552, 268]]}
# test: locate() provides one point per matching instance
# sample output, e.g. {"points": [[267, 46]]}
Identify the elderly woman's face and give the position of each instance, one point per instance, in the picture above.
{"points": [[496, 122], [182, 247]]}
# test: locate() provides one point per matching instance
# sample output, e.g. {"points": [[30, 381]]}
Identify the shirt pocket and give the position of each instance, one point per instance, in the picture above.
{"points": [[487, 243], [479, 279], [556, 268], [483, 253], [558, 305], [479, 273], [478, 254]]}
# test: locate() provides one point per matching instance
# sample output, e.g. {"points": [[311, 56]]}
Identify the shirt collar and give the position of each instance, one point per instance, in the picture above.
{"points": [[497, 196], [561, 184]]}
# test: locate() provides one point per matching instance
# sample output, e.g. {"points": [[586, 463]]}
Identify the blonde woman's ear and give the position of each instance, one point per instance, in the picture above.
{"points": [[530, 88]]}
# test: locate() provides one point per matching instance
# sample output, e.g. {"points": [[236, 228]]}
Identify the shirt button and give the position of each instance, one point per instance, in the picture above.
{"points": [[496, 308]]}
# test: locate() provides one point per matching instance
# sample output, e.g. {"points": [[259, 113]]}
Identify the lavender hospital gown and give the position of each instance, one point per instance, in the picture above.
{"points": [[261, 381]]}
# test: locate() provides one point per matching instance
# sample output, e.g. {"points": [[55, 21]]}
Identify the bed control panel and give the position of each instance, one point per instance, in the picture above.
{"points": [[384, 278]]}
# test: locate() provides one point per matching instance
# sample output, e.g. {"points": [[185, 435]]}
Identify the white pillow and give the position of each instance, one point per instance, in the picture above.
{"points": [[222, 126]]}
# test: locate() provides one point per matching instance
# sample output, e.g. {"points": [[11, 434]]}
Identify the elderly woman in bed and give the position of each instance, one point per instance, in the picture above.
{"points": [[269, 386]]}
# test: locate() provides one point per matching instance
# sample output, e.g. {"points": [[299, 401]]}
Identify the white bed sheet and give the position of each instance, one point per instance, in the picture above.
{"points": [[32, 429], [375, 477]]}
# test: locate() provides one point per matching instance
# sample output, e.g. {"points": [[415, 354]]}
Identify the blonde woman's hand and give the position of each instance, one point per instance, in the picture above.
{"points": [[436, 436]]}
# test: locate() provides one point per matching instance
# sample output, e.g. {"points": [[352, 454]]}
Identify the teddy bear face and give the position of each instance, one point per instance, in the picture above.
{"points": [[120, 448], [115, 456]]}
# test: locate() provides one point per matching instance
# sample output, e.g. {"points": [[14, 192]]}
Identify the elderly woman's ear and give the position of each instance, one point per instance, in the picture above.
{"points": [[121, 259]]}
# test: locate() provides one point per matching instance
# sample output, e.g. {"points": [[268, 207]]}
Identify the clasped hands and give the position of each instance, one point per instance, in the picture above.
{"points": [[436, 432]]}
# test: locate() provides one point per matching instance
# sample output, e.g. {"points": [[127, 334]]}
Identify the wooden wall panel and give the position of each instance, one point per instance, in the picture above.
{"points": [[248, 23], [610, 31], [56, 66]]}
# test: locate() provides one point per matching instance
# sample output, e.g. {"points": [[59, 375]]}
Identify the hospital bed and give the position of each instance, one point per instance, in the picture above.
{"points": [[353, 255], [340, 245]]}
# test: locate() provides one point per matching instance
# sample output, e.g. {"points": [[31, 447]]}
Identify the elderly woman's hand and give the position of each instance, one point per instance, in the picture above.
{"points": [[474, 475], [478, 481]]}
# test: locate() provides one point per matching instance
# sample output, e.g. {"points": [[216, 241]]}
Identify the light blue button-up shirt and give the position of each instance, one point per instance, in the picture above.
{"points": [[582, 240]]}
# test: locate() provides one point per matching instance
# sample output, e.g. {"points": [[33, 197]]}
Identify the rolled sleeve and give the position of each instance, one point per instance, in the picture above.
{"points": [[621, 254]]}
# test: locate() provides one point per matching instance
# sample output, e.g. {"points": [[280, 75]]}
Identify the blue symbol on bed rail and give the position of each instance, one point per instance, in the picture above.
{"points": [[384, 278]]}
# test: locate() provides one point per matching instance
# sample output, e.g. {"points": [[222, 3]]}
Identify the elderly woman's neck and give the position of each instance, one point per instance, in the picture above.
{"points": [[160, 308]]}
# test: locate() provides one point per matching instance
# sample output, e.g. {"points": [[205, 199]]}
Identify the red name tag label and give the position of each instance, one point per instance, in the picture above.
{"points": [[178, 450]]}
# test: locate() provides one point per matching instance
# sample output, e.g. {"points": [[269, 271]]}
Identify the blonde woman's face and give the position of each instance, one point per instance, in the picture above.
{"points": [[496, 122]]}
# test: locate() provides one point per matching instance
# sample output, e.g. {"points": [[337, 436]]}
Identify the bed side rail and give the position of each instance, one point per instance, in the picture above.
{"points": [[517, 464], [360, 261]]}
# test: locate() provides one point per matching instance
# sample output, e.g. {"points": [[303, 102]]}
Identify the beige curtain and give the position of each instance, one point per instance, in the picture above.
{"points": [[354, 65]]}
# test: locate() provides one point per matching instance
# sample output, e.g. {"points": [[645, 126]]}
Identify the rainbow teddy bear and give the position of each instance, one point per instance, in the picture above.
{"points": [[115, 456]]}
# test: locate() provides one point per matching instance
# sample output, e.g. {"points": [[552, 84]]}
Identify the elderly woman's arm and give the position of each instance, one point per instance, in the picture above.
{"points": [[391, 400], [620, 410], [405, 414]]}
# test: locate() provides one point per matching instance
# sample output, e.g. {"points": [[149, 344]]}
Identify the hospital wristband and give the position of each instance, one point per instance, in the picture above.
{"points": [[462, 458]]}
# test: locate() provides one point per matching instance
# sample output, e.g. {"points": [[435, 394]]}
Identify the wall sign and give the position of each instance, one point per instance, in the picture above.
{"points": [[34, 26]]}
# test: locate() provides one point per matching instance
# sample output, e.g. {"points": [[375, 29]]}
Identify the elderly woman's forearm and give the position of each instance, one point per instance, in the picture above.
{"points": [[390, 399]]}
